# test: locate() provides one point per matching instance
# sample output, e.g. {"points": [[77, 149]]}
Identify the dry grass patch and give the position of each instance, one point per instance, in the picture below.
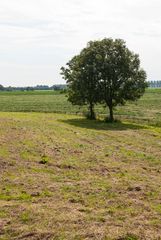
{"points": [[63, 177]]}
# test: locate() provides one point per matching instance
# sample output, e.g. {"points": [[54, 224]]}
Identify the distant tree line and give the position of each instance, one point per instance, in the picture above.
{"points": [[155, 84], [38, 87]]}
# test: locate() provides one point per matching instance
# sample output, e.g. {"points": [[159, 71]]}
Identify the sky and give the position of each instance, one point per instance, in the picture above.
{"points": [[37, 37]]}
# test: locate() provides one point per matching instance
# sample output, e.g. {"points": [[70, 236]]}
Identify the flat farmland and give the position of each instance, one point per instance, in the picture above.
{"points": [[147, 110], [64, 177]]}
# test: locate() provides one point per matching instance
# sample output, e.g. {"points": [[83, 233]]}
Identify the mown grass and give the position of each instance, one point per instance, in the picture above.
{"points": [[34, 101], [65, 177], [147, 110]]}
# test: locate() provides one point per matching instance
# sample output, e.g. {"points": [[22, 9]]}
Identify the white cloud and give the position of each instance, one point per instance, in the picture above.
{"points": [[37, 37]]}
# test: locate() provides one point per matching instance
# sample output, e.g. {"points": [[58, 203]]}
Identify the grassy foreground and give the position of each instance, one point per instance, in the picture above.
{"points": [[64, 177]]}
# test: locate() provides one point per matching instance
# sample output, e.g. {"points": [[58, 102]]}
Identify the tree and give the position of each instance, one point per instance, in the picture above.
{"points": [[1, 87], [121, 77], [82, 80], [107, 72]]}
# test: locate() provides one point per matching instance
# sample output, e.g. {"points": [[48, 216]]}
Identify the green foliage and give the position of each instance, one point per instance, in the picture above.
{"points": [[1, 87], [81, 78], [44, 160], [105, 72], [25, 217]]}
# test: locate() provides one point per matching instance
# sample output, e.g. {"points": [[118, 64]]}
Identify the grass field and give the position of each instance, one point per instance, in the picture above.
{"points": [[147, 109], [64, 177]]}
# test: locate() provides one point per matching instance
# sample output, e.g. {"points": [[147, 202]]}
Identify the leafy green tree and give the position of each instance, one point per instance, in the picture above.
{"points": [[1, 87], [107, 72], [120, 75], [82, 80]]}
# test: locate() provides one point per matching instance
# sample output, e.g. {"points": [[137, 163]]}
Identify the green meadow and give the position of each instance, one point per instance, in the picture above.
{"points": [[65, 177], [147, 109]]}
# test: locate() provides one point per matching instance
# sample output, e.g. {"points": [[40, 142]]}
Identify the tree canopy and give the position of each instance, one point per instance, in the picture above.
{"points": [[1, 87], [107, 72]]}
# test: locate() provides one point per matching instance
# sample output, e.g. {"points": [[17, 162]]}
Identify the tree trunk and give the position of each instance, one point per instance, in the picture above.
{"points": [[111, 118], [92, 113]]}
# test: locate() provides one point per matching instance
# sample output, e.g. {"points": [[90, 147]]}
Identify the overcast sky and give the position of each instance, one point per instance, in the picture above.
{"points": [[37, 37]]}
